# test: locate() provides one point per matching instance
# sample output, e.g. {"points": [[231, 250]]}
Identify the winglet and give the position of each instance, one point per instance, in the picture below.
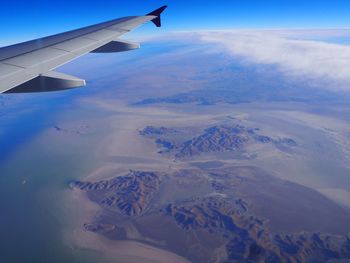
{"points": [[157, 13]]}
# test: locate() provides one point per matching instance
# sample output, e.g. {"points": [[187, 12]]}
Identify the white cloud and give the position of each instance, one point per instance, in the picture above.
{"points": [[308, 58]]}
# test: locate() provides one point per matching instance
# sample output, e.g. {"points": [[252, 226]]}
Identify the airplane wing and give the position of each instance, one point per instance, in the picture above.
{"points": [[28, 66]]}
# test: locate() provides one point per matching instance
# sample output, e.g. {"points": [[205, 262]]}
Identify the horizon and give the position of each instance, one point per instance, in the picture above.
{"points": [[33, 20]]}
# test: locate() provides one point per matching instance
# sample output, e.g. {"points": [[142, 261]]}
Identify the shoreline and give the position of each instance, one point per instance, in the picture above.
{"points": [[110, 250]]}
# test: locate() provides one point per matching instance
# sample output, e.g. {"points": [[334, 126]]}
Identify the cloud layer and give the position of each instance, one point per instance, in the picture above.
{"points": [[307, 58]]}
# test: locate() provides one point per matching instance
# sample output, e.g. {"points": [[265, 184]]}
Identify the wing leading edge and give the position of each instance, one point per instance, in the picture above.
{"points": [[27, 67]]}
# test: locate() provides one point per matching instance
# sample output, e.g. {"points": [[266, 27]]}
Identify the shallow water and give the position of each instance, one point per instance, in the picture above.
{"points": [[34, 176]]}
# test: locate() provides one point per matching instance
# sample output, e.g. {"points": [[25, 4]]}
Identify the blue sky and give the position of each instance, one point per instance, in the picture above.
{"points": [[23, 20]]}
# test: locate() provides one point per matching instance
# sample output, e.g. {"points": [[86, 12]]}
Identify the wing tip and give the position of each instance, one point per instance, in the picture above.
{"points": [[157, 13]]}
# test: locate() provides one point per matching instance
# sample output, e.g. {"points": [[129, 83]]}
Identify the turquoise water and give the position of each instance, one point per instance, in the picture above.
{"points": [[33, 218], [34, 173]]}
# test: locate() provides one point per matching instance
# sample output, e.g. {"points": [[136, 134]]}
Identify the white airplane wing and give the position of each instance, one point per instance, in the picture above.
{"points": [[27, 67]]}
